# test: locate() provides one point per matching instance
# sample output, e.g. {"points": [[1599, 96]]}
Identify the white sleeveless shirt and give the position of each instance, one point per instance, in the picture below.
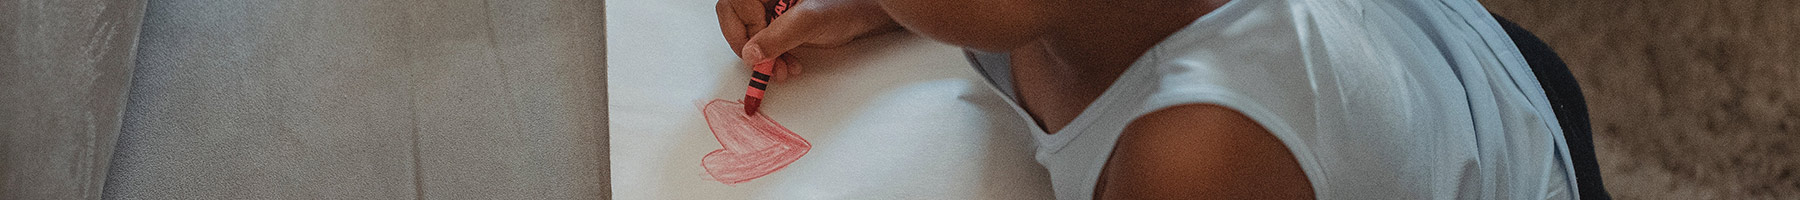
{"points": [[1392, 99]]}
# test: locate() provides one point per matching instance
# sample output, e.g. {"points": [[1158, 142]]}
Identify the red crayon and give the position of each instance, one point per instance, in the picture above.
{"points": [[762, 73], [759, 82]]}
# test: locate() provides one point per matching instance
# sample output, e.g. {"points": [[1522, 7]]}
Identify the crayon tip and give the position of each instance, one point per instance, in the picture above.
{"points": [[751, 105]]}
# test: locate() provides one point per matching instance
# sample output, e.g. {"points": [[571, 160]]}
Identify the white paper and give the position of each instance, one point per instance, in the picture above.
{"points": [[894, 116]]}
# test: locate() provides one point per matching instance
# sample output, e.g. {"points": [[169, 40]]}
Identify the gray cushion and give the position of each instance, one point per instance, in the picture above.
{"points": [[65, 66], [345, 99]]}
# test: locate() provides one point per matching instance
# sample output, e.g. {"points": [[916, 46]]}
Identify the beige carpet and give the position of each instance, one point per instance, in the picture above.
{"points": [[1689, 99]]}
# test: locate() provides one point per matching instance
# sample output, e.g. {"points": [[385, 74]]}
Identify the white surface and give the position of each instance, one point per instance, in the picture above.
{"points": [[890, 117]]}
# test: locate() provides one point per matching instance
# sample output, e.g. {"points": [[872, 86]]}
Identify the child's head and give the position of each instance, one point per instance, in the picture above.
{"points": [[989, 25]]}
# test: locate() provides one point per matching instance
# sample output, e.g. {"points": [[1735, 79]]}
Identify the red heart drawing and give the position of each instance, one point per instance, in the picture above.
{"points": [[755, 146]]}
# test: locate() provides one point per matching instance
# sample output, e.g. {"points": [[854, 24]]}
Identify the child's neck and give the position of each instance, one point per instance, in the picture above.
{"points": [[1114, 35], [1061, 74]]}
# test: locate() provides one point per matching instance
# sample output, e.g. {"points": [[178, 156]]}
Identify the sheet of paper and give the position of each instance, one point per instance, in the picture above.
{"points": [[894, 116]]}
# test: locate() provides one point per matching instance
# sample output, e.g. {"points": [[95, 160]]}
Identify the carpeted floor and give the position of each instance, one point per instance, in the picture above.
{"points": [[1689, 99]]}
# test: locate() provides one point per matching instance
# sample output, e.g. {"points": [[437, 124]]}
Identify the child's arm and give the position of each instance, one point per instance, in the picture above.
{"points": [[1201, 151], [822, 23]]}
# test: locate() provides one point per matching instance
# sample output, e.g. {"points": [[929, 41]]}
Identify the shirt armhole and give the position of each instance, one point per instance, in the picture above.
{"points": [[1262, 115]]}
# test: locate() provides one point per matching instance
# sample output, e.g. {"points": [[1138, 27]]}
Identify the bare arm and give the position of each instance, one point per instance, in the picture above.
{"points": [[1201, 151]]}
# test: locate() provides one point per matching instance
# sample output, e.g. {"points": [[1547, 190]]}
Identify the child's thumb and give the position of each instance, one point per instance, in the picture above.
{"points": [[781, 36]]}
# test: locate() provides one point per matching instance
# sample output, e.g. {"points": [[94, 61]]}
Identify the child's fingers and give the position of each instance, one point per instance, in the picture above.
{"points": [[730, 26], [751, 13], [793, 65], [779, 72], [786, 68], [784, 34], [738, 20]]}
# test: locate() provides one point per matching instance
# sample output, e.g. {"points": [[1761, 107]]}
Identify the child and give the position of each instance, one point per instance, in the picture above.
{"points": [[1243, 99]]}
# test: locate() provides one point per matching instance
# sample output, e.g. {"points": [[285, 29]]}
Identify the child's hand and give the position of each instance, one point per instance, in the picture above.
{"points": [[817, 23]]}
